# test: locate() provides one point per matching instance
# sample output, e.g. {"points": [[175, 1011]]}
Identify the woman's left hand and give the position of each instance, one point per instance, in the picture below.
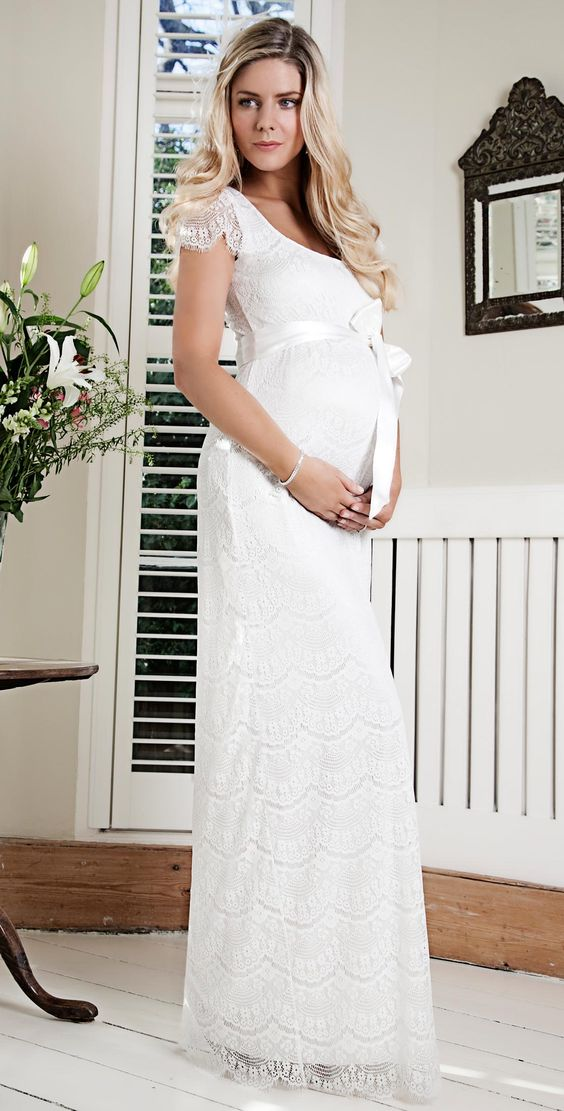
{"points": [[356, 518]]}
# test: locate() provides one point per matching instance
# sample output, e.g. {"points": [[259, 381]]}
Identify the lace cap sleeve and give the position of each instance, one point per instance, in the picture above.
{"points": [[200, 232]]}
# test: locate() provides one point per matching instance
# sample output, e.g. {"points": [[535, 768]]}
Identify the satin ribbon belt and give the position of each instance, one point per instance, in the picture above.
{"points": [[391, 361]]}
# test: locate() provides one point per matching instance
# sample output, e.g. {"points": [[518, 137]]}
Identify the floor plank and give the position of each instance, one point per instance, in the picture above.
{"points": [[155, 983], [150, 950], [13, 1100], [530, 987], [84, 1085]]}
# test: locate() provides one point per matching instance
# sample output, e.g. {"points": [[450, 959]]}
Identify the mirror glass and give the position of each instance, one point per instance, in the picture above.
{"points": [[525, 244]]}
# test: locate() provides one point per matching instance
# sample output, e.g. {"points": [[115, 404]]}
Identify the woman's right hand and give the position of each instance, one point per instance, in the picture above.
{"points": [[323, 488]]}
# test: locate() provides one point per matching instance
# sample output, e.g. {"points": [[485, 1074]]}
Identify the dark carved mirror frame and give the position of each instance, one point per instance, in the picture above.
{"points": [[524, 141]]}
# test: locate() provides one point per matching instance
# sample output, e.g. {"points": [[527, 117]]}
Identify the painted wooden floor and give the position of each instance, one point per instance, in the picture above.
{"points": [[501, 1036]]}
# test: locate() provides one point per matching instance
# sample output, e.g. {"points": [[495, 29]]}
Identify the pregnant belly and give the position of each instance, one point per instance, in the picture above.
{"points": [[324, 394]]}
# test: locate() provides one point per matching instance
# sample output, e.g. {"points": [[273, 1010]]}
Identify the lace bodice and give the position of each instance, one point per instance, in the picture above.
{"points": [[275, 279]]}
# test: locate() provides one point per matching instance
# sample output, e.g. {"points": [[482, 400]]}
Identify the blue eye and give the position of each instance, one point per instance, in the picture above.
{"points": [[285, 100]]}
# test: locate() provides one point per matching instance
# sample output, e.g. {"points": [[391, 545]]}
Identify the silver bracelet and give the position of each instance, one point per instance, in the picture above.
{"points": [[294, 472]]}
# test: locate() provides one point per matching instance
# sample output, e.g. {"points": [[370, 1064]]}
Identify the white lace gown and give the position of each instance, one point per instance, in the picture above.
{"points": [[307, 960]]}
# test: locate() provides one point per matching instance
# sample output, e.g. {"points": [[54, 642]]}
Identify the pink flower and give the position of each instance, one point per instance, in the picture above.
{"points": [[43, 423], [77, 416]]}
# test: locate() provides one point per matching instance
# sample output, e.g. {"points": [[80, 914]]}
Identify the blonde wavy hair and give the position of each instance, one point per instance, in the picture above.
{"points": [[340, 217]]}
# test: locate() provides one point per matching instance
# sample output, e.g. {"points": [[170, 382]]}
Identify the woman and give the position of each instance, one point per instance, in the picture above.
{"points": [[308, 961]]}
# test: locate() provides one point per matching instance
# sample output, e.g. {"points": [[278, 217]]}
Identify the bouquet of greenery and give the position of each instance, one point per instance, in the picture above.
{"points": [[58, 400]]}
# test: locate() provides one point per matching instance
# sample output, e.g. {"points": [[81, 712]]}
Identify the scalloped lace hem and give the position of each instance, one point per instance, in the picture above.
{"points": [[413, 1084]]}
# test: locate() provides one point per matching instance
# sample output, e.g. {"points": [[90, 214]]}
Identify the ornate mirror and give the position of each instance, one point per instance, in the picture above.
{"points": [[514, 215]]}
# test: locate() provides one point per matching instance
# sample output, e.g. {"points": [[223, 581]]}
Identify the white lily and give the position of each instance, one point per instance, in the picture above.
{"points": [[67, 375]]}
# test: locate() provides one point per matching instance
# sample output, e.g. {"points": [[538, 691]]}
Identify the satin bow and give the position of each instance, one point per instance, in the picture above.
{"points": [[391, 361]]}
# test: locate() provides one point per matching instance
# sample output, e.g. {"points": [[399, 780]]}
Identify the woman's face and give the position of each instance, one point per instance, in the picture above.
{"points": [[265, 105]]}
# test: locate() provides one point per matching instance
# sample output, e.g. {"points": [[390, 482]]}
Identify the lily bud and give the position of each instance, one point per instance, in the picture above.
{"points": [[29, 265], [91, 278], [4, 310]]}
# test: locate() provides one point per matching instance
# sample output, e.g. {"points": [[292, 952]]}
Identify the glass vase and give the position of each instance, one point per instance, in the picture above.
{"points": [[3, 523]]}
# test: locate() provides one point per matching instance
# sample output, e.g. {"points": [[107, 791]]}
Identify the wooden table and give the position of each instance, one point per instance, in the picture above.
{"points": [[24, 673]]}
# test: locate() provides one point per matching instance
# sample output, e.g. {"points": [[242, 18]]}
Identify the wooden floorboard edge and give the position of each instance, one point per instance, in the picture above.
{"points": [[113, 887]]}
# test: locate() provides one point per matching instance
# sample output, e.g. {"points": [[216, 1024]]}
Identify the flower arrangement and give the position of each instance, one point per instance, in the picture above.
{"points": [[58, 400]]}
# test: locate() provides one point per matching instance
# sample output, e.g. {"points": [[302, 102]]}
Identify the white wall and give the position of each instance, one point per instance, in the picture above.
{"points": [[421, 81], [50, 56]]}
